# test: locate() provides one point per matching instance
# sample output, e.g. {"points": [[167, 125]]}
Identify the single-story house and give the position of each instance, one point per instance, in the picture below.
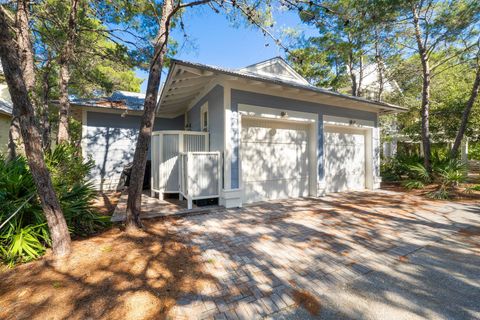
{"points": [[5, 116], [278, 135]]}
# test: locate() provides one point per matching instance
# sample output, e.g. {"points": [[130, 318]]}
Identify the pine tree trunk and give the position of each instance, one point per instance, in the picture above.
{"points": [[44, 123], [380, 69], [353, 77], [146, 126], [425, 115], [23, 40], [64, 110], [466, 114], [17, 86], [13, 136], [64, 74], [360, 77], [425, 108]]}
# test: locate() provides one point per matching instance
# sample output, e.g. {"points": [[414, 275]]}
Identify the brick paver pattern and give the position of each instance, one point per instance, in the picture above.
{"points": [[260, 254]]}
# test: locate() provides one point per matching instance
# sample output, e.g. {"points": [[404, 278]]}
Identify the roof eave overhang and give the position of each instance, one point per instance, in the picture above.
{"points": [[381, 107]]}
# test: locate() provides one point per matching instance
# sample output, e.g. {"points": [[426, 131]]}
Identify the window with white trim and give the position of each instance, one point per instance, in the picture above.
{"points": [[204, 116]]}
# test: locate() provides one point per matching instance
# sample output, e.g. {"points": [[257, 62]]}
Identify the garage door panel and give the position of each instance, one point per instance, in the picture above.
{"points": [[256, 130], [344, 159], [276, 189], [274, 159]]}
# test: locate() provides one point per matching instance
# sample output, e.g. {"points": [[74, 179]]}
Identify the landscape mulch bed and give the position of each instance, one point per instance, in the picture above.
{"points": [[459, 194], [112, 275]]}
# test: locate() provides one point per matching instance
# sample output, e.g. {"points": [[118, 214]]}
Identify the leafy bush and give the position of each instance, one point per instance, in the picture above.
{"points": [[474, 150], [398, 168], [446, 172], [26, 236]]}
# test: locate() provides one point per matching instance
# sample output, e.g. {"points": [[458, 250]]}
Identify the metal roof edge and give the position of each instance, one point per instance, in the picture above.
{"points": [[377, 104]]}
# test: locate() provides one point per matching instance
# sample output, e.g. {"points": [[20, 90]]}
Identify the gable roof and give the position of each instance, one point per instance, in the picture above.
{"points": [[275, 68], [187, 81]]}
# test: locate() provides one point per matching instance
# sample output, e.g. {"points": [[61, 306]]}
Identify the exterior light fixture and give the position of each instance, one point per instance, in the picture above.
{"points": [[283, 114]]}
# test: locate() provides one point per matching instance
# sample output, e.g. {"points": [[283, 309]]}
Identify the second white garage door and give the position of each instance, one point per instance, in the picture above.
{"points": [[274, 159], [344, 159]]}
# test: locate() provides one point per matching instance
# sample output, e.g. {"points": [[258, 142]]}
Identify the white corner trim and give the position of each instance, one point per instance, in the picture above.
{"points": [[84, 134]]}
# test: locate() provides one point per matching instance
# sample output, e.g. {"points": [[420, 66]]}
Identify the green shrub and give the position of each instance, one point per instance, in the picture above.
{"points": [[474, 150], [26, 236], [450, 172], [397, 168], [446, 172]]}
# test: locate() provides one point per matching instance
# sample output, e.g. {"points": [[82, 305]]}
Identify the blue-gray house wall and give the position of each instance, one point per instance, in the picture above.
{"points": [[110, 140], [269, 101], [216, 117]]}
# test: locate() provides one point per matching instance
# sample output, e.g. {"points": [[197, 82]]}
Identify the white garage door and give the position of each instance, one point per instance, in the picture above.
{"points": [[344, 159], [274, 159]]}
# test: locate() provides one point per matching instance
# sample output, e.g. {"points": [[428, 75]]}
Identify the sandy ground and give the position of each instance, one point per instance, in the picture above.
{"points": [[113, 275]]}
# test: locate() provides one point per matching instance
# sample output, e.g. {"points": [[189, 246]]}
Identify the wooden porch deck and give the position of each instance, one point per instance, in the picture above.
{"points": [[154, 207]]}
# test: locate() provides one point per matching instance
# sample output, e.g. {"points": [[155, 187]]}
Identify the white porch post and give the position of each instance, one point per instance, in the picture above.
{"points": [[377, 179], [464, 150], [227, 143], [230, 197]]}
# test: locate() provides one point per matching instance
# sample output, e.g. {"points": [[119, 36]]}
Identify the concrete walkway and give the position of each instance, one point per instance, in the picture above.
{"points": [[365, 255]]}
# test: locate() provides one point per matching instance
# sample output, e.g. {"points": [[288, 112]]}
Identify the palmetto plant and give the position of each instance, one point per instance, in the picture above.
{"points": [[26, 236], [446, 172], [418, 176]]}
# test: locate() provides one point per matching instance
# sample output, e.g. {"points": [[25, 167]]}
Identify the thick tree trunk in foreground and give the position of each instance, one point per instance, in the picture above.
{"points": [[24, 43], [146, 126], [23, 40], [64, 74], [425, 109], [32, 139], [466, 114]]}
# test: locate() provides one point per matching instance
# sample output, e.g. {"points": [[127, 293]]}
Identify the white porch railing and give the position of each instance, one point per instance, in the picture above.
{"points": [[200, 175], [166, 147]]}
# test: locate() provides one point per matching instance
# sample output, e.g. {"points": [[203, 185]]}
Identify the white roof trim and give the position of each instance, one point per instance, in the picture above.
{"points": [[257, 69]]}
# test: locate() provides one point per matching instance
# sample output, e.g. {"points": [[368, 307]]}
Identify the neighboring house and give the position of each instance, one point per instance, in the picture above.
{"points": [[5, 116], [370, 82], [279, 136], [109, 133]]}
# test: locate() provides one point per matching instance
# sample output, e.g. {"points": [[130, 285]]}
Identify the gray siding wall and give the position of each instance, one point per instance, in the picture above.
{"points": [[216, 116], [263, 100], [110, 141]]}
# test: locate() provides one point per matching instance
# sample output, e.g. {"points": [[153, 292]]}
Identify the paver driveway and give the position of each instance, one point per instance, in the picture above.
{"points": [[302, 258]]}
